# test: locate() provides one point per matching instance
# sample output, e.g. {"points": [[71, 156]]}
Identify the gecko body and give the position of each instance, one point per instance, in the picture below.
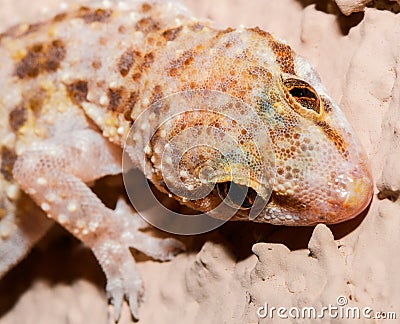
{"points": [[73, 85]]}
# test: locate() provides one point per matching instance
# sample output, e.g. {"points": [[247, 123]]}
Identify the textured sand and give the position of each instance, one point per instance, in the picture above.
{"points": [[220, 279]]}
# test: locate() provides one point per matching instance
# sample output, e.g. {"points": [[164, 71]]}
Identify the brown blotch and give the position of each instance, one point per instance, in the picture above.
{"points": [[288, 176], [102, 41], [35, 100], [96, 64], [147, 25], [229, 44], [223, 32], [184, 60], [115, 97], [259, 31], [122, 29], [146, 7], [8, 158], [41, 58], [171, 34], [90, 15], [150, 41], [157, 94], [173, 72], [136, 76], [284, 55], [60, 17], [132, 100], [148, 60], [77, 91], [125, 62], [17, 118]]}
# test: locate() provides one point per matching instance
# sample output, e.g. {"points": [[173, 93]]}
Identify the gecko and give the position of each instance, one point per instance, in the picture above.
{"points": [[72, 86]]}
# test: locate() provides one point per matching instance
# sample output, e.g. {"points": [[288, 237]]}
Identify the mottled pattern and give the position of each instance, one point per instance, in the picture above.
{"points": [[73, 84], [40, 58]]}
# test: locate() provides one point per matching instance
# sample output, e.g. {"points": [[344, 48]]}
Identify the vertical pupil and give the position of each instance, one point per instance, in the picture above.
{"points": [[302, 93]]}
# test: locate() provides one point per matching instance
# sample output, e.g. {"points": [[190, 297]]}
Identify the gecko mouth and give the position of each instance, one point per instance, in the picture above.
{"points": [[238, 196]]}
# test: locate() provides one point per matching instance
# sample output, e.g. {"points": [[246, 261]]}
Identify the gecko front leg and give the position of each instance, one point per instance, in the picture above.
{"points": [[55, 172]]}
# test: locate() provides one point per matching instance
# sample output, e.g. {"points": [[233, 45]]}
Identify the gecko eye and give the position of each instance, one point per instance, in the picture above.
{"points": [[303, 93], [236, 195]]}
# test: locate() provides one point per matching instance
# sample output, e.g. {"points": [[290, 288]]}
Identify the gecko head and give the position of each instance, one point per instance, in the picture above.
{"points": [[322, 173], [316, 169], [294, 160], [319, 172], [281, 152]]}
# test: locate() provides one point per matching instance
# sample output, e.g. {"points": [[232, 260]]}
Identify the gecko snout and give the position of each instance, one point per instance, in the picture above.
{"points": [[359, 193], [354, 192]]}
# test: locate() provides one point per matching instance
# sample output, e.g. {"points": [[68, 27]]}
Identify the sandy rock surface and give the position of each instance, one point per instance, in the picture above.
{"points": [[348, 7], [223, 277]]}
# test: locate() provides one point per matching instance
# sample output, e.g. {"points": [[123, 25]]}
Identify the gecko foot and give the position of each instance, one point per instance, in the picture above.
{"points": [[113, 253]]}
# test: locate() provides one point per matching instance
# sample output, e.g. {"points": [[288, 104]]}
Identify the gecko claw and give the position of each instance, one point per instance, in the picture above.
{"points": [[134, 306], [133, 292], [116, 301]]}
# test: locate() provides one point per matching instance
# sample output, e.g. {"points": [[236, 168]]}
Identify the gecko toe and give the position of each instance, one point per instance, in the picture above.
{"points": [[115, 295], [170, 248], [133, 292]]}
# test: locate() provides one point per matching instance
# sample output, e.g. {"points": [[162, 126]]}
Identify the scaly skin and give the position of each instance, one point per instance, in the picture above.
{"points": [[72, 86]]}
